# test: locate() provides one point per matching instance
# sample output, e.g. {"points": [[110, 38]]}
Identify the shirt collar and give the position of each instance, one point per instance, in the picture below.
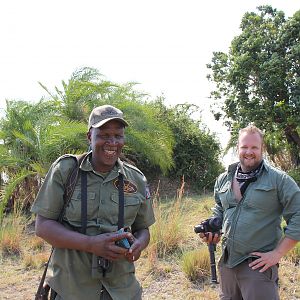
{"points": [[232, 168], [87, 166]]}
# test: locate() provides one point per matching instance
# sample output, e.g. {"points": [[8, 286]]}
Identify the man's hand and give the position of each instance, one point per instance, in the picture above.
{"points": [[265, 260], [269, 259], [104, 245], [209, 237], [135, 250], [139, 242]]}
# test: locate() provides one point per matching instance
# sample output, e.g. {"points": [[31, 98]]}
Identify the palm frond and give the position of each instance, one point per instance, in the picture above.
{"points": [[10, 187]]}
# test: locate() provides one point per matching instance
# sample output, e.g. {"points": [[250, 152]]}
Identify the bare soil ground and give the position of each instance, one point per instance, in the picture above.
{"points": [[166, 282]]}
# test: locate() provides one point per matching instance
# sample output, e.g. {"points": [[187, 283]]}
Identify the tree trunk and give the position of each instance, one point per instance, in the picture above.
{"points": [[293, 139]]}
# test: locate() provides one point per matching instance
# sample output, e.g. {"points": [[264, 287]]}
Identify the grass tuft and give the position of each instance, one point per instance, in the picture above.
{"points": [[11, 235], [294, 254], [196, 264], [35, 261], [36, 243]]}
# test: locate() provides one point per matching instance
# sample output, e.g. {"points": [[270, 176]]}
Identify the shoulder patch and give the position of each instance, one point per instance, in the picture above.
{"points": [[129, 186], [147, 192]]}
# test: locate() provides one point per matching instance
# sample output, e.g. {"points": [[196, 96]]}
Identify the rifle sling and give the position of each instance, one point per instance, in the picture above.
{"points": [[69, 189]]}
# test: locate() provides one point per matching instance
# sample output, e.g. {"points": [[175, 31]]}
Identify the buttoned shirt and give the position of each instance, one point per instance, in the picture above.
{"points": [[72, 276], [253, 223]]}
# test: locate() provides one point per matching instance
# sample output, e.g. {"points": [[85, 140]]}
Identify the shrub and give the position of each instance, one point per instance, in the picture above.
{"points": [[196, 151], [295, 173]]}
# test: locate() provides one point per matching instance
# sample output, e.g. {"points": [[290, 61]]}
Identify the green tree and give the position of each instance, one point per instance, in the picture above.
{"points": [[258, 80], [196, 151]]}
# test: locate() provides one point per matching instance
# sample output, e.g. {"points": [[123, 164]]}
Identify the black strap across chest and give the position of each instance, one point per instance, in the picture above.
{"points": [[84, 201]]}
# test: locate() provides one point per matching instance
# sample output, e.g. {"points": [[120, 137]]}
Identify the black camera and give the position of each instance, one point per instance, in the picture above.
{"points": [[213, 225]]}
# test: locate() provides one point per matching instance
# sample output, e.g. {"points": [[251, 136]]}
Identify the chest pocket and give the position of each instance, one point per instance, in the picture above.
{"points": [[226, 196], [263, 197], [73, 210], [132, 204]]}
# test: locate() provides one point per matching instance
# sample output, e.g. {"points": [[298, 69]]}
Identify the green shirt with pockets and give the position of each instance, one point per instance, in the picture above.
{"points": [[71, 270], [254, 222]]}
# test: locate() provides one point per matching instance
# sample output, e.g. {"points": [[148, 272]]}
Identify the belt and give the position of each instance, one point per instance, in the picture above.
{"points": [[251, 259]]}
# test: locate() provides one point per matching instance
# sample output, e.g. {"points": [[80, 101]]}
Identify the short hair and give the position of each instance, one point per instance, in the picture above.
{"points": [[252, 129]]}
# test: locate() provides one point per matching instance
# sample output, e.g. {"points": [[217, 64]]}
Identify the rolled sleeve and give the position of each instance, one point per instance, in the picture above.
{"points": [[145, 216], [290, 199]]}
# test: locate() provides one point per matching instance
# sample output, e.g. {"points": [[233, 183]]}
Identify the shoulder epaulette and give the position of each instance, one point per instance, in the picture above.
{"points": [[77, 157], [133, 167]]}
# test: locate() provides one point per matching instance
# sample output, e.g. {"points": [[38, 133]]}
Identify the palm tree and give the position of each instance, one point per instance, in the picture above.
{"points": [[146, 136], [34, 135]]}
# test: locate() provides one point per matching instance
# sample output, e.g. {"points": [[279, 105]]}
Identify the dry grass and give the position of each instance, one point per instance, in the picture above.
{"points": [[196, 264], [173, 269], [11, 234]]}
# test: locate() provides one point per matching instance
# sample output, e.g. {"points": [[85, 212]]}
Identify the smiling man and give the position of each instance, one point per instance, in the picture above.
{"points": [[91, 260], [251, 198]]}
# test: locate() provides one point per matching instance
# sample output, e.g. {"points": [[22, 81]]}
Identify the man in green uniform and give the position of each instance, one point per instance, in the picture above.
{"points": [[251, 198], [77, 270]]}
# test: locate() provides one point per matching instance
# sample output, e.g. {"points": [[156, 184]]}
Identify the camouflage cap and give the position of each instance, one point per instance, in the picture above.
{"points": [[103, 114]]}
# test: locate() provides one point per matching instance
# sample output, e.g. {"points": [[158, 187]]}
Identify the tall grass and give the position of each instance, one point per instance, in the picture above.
{"points": [[11, 234], [166, 233], [172, 236]]}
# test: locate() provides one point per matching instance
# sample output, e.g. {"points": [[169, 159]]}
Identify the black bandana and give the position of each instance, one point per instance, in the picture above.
{"points": [[245, 178]]}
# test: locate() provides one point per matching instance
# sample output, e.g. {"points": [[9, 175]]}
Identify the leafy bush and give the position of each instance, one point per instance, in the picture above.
{"points": [[295, 173], [196, 152]]}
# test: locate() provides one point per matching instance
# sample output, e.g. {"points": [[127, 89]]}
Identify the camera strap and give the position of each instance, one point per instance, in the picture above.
{"points": [[83, 202], [121, 202], [103, 264]]}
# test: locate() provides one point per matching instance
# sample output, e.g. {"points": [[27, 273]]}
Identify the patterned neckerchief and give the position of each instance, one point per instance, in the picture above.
{"points": [[245, 178]]}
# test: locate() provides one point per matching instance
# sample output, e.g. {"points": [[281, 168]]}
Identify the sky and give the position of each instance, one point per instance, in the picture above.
{"points": [[164, 45]]}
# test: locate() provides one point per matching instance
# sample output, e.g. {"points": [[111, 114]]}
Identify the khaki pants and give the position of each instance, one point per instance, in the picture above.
{"points": [[243, 283]]}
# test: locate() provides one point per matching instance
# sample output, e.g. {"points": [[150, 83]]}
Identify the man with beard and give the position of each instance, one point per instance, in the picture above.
{"points": [[251, 198], [88, 261]]}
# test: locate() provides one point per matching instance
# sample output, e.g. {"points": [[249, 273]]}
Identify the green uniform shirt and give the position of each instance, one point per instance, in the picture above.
{"points": [[72, 275], [254, 223]]}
